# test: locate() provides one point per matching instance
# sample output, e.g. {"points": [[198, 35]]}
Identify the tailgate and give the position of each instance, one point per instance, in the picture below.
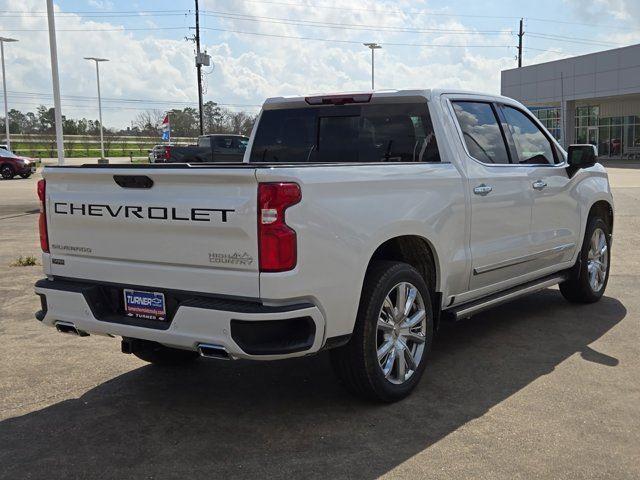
{"points": [[194, 229]]}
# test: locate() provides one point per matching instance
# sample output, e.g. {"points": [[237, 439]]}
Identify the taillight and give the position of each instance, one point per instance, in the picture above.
{"points": [[276, 240], [42, 220], [339, 99]]}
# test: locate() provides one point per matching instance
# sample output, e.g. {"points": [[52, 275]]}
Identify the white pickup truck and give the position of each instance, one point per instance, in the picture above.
{"points": [[355, 223]]}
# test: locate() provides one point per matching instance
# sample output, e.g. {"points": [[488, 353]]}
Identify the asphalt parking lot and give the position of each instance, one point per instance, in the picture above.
{"points": [[538, 388]]}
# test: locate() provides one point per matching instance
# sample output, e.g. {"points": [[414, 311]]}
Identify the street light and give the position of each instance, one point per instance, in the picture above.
{"points": [[4, 87], [55, 80], [98, 60], [373, 47]]}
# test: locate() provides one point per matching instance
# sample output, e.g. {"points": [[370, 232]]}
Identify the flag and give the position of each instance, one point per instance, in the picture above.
{"points": [[166, 128]]}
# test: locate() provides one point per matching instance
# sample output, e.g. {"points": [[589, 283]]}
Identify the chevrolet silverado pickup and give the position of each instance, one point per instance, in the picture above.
{"points": [[356, 223]]}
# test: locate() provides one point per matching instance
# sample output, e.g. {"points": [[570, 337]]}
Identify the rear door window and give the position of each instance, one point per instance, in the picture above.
{"points": [[481, 131], [346, 134]]}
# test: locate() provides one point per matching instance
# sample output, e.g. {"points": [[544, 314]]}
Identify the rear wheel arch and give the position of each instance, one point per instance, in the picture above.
{"points": [[418, 252], [415, 250]]}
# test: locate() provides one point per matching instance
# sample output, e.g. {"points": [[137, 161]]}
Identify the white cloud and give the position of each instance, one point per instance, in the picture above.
{"points": [[250, 68], [101, 4]]}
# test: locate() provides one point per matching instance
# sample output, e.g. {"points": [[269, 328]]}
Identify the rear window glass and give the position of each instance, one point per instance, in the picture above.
{"points": [[347, 133]]}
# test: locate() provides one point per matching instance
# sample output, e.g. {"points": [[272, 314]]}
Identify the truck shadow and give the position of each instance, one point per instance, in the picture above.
{"points": [[291, 419]]}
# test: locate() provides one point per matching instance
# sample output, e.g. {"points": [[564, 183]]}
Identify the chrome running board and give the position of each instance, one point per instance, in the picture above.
{"points": [[468, 309]]}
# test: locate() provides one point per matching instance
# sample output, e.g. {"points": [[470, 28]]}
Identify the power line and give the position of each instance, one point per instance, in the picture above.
{"points": [[347, 26], [583, 41], [307, 6], [94, 30], [89, 98], [273, 35], [383, 10], [89, 107], [414, 12], [91, 12], [355, 42]]}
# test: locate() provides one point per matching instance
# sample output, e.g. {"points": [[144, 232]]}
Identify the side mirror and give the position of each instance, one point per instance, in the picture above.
{"points": [[582, 156]]}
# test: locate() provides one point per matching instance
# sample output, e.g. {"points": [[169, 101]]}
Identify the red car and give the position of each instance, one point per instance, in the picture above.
{"points": [[12, 165]]}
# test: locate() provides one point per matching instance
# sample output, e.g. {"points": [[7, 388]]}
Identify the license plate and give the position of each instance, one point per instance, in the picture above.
{"points": [[148, 305]]}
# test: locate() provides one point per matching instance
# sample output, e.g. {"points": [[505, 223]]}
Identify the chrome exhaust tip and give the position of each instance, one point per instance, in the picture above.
{"points": [[70, 328], [213, 351]]}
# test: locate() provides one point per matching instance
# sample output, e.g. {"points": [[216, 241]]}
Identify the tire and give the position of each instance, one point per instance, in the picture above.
{"points": [[7, 172], [357, 363], [25, 175], [580, 287], [158, 354]]}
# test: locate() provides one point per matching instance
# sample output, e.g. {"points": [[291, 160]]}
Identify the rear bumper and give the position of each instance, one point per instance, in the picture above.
{"points": [[245, 328]]}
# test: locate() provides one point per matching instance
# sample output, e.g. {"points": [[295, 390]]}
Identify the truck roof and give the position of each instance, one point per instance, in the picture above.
{"points": [[376, 96]]}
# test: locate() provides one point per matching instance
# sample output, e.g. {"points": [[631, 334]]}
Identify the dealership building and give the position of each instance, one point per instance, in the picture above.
{"points": [[592, 98]]}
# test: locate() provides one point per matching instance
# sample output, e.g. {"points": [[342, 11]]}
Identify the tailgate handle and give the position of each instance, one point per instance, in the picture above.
{"points": [[133, 181]]}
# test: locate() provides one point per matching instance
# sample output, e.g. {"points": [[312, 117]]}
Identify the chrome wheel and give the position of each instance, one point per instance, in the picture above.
{"points": [[401, 332], [597, 260]]}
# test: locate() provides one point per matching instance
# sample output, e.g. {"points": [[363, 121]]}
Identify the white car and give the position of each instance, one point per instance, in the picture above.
{"points": [[355, 223]]}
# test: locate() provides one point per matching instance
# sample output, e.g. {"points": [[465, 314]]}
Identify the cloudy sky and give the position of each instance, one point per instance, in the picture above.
{"points": [[263, 48]]}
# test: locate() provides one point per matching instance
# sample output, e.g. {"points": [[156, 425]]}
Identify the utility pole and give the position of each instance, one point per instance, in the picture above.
{"points": [[373, 47], [55, 80], [4, 87], [199, 68], [520, 35], [98, 60]]}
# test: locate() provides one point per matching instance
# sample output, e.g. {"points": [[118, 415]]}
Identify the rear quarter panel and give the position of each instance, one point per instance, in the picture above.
{"points": [[347, 212]]}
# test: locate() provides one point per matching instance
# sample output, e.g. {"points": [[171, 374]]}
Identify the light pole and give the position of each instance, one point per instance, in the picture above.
{"points": [[4, 87], [55, 80], [98, 60], [373, 47]]}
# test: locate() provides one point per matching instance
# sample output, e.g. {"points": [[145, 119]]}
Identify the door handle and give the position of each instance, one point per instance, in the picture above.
{"points": [[539, 184], [482, 189]]}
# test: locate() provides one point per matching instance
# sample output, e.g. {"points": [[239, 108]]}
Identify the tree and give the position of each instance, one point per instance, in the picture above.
{"points": [[109, 138], [31, 125], [46, 119], [18, 121], [69, 126], [184, 123], [82, 126], [69, 143], [241, 122], [148, 122], [213, 117]]}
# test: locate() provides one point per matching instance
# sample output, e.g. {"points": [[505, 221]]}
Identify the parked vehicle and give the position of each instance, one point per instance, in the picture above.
{"points": [[158, 152], [217, 148], [12, 165], [357, 223]]}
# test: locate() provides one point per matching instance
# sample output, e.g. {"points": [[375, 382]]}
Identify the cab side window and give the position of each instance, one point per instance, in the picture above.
{"points": [[532, 146], [223, 142], [481, 131]]}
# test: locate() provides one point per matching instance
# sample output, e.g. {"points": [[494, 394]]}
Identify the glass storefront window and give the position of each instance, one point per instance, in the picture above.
{"points": [[581, 135], [550, 118]]}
